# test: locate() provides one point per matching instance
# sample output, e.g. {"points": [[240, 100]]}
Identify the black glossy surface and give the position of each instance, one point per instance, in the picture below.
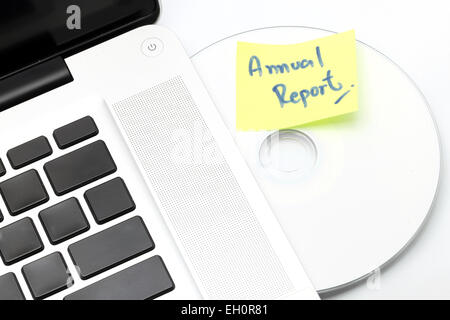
{"points": [[80, 167], [64, 221], [75, 132], [34, 81], [29, 152], [47, 276], [9, 288], [19, 241], [23, 192], [109, 201], [36, 30], [146, 280], [111, 247]]}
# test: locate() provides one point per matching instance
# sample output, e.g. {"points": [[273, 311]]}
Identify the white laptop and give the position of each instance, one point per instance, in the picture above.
{"points": [[118, 178]]}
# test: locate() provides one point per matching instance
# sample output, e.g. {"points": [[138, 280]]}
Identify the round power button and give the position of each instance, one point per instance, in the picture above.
{"points": [[152, 47]]}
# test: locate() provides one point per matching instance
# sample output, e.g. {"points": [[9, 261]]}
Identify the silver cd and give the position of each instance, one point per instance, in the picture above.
{"points": [[352, 192]]}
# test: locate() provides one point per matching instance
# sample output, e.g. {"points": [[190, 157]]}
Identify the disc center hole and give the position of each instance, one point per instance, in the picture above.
{"points": [[288, 152]]}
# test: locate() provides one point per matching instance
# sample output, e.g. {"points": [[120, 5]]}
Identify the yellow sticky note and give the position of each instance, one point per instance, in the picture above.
{"points": [[284, 86]]}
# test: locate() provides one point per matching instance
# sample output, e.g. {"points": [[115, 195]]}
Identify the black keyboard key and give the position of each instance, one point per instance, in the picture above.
{"points": [[144, 281], [64, 221], [2, 168], [23, 192], [75, 132], [109, 201], [47, 276], [80, 168], [111, 247], [19, 241], [10, 289], [29, 152]]}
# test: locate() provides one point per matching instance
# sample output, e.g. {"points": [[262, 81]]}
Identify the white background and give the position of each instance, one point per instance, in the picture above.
{"points": [[416, 35]]}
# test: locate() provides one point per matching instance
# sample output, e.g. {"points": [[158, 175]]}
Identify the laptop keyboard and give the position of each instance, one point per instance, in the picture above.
{"points": [[29, 152], [65, 220], [80, 168], [2, 168], [9, 288]]}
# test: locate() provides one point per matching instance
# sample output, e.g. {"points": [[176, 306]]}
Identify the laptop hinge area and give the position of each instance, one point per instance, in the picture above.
{"points": [[33, 82]]}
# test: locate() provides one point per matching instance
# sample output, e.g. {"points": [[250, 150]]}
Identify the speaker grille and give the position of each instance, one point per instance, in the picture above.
{"points": [[196, 188]]}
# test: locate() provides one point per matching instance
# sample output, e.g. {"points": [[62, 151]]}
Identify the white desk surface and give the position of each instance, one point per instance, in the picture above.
{"points": [[415, 34]]}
